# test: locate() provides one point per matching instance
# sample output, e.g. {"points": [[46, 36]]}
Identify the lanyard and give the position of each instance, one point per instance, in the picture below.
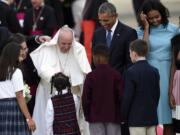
{"points": [[35, 19]]}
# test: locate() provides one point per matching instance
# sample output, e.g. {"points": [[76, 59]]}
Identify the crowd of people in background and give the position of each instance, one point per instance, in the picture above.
{"points": [[88, 73]]}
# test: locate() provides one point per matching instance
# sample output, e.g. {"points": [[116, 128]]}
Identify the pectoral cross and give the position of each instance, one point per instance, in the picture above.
{"points": [[34, 27]]}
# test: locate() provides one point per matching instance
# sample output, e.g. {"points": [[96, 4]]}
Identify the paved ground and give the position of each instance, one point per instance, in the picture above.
{"points": [[126, 14]]}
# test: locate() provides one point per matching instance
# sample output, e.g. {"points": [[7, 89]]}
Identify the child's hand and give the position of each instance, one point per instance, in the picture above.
{"points": [[143, 19], [31, 124], [172, 101]]}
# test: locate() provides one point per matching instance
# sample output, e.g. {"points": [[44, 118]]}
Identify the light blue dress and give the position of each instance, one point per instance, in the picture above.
{"points": [[160, 56]]}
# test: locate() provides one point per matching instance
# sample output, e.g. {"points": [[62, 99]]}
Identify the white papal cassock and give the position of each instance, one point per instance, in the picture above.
{"points": [[48, 60]]}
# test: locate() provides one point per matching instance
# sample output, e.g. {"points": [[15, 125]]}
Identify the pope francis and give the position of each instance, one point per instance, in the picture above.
{"points": [[61, 54]]}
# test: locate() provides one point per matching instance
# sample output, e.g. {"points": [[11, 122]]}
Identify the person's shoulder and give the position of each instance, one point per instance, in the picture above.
{"points": [[48, 8], [78, 46], [124, 26], [45, 48], [135, 68], [126, 30], [112, 70], [4, 32], [90, 75], [3, 29], [17, 72], [154, 69], [116, 73], [172, 27], [151, 69], [131, 71]]}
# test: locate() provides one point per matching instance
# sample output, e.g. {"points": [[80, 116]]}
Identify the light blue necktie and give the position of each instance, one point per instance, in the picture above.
{"points": [[108, 38]]}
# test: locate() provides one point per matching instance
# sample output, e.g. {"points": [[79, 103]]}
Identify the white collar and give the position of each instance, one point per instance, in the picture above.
{"points": [[140, 58], [114, 27], [64, 91]]}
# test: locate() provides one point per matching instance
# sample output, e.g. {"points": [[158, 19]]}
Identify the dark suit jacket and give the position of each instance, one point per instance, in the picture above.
{"points": [[119, 50], [8, 18], [141, 95], [102, 95], [46, 23], [29, 71], [90, 11], [4, 37], [63, 11]]}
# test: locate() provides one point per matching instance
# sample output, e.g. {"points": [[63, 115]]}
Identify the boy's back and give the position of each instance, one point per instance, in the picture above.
{"points": [[102, 95], [141, 95]]}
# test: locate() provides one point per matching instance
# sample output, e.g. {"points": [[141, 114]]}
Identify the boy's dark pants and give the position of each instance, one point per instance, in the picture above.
{"points": [[125, 129]]}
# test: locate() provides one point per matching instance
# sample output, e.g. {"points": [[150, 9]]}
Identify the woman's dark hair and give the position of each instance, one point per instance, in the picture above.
{"points": [[18, 38], [175, 41], [9, 60], [60, 82], [156, 5]]}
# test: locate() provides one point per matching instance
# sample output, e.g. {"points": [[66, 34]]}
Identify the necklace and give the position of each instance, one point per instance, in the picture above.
{"points": [[36, 18]]}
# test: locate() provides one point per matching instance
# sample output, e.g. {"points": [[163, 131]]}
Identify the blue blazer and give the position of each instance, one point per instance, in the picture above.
{"points": [[141, 95], [119, 50]]}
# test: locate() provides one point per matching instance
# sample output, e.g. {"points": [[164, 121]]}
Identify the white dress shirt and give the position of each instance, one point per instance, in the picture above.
{"points": [[112, 29]]}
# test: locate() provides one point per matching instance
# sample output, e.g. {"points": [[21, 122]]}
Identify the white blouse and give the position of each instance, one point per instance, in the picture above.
{"points": [[8, 88]]}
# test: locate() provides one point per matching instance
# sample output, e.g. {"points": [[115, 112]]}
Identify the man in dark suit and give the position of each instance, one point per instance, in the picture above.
{"points": [[141, 94], [4, 37], [40, 19], [8, 17], [119, 38]]}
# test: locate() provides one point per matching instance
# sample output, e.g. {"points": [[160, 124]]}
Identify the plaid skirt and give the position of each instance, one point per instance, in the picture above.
{"points": [[12, 121], [65, 121]]}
